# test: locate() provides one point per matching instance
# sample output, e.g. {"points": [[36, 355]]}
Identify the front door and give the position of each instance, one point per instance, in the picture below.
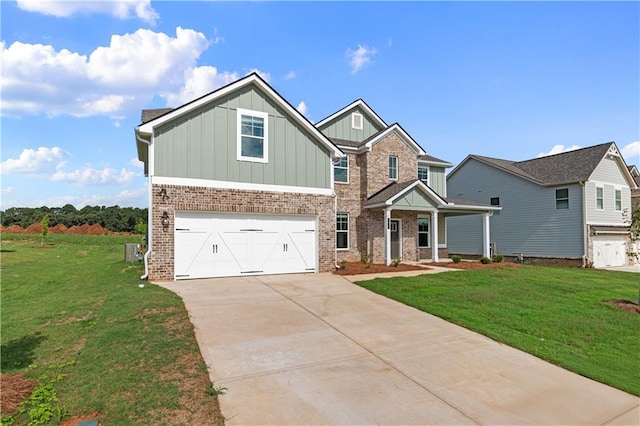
{"points": [[395, 239]]}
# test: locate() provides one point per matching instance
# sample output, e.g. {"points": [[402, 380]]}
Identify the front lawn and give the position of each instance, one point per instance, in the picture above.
{"points": [[562, 315], [74, 317]]}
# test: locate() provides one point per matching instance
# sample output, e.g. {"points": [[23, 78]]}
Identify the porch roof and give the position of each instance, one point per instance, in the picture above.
{"points": [[416, 195]]}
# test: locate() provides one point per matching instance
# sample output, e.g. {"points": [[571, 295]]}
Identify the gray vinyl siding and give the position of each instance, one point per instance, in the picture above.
{"points": [[609, 177], [340, 127], [529, 222], [203, 145], [437, 180]]}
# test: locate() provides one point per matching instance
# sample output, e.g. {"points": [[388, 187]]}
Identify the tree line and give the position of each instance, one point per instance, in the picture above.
{"points": [[114, 218]]}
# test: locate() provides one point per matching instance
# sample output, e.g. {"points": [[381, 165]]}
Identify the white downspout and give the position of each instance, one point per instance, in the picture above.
{"points": [[585, 234], [150, 210]]}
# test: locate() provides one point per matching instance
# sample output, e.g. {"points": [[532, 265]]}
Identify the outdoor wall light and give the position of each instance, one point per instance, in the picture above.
{"points": [[165, 220], [163, 192]]}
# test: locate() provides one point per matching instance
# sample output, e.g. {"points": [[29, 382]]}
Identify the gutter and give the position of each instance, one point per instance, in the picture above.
{"points": [[584, 227], [149, 212]]}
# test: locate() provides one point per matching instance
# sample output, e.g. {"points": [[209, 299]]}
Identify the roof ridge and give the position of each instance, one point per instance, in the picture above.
{"points": [[573, 151]]}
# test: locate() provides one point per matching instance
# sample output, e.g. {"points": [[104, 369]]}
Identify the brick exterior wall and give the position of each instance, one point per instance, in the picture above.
{"points": [[200, 199]]}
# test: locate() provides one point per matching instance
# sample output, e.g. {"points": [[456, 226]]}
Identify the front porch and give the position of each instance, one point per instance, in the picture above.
{"points": [[407, 221]]}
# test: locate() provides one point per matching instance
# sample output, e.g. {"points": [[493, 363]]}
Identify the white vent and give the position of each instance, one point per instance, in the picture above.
{"points": [[356, 121]]}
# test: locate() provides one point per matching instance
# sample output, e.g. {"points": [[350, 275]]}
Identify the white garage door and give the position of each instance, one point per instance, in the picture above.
{"points": [[223, 245], [609, 250]]}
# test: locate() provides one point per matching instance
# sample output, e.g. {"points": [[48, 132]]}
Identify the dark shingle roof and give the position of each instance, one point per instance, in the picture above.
{"points": [[344, 142], [461, 202], [150, 114], [427, 157], [567, 167], [387, 192]]}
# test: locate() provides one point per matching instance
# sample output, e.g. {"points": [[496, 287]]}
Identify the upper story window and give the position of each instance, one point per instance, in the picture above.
{"points": [[356, 121], [600, 198], [618, 200], [341, 170], [562, 198], [393, 167], [253, 140], [423, 174]]}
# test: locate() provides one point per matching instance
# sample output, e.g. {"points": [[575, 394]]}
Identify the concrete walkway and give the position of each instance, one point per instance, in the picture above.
{"points": [[317, 349]]}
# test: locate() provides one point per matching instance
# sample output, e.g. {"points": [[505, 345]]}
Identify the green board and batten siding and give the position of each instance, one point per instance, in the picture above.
{"points": [[203, 145], [340, 127], [437, 180], [414, 200]]}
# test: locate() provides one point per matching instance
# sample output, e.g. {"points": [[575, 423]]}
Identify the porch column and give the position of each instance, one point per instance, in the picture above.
{"points": [[486, 235], [387, 236], [434, 237]]}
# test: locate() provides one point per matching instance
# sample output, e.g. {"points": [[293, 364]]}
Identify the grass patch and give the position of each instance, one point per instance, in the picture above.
{"points": [[562, 315], [129, 353]]}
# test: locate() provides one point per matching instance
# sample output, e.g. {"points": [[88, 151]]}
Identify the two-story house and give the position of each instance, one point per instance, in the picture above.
{"points": [[569, 206], [241, 183]]}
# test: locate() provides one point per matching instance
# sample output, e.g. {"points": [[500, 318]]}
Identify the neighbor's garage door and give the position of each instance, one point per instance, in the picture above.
{"points": [[609, 250], [222, 245]]}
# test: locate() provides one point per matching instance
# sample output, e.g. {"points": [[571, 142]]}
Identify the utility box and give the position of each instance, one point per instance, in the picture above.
{"points": [[132, 253]]}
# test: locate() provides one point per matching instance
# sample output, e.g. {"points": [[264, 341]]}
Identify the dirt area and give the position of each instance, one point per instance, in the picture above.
{"points": [[15, 389], [95, 229], [627, 305]]}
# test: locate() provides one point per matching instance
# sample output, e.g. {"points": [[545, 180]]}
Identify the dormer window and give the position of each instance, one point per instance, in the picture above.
{"points": [[356, 121]]}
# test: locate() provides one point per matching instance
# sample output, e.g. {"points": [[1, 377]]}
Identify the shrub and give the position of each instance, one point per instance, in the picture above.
{"points": [[367, 259], [456, 258], [485, 260], [343, 264], [395, 262], [498, 258]]}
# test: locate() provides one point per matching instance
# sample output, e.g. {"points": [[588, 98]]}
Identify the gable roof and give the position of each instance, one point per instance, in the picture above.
{"points": [[433, 161], [368, 143], [357, 103], [150, 114], [387, 195], [559, 169], [146, 128]]}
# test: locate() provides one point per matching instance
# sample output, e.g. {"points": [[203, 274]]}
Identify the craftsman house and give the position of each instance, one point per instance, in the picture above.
{"points": [[241, 183], [568, 207]]}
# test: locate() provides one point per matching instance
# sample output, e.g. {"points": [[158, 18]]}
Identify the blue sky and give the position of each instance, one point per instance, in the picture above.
{"points": [[511, 80]]}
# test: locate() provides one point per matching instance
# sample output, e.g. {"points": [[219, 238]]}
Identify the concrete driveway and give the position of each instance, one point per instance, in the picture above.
{"points": [[317, 349]]}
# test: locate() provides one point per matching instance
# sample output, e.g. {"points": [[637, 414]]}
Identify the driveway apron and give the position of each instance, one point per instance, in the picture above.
{"points": [[317, 349]]}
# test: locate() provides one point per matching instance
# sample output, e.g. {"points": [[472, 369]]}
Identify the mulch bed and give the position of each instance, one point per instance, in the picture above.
{"points": [[15, 389], [358, 268], [476, 264]]}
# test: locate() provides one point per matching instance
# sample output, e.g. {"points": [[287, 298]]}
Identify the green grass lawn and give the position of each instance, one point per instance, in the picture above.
{"points": [[561, 315], [74, 312]]}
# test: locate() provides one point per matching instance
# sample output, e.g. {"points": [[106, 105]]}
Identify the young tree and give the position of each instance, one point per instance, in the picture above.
{"points": [[44, 227]]}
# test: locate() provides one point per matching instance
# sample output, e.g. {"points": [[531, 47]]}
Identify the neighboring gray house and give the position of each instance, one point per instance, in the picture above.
{"points": [[635, 193], [566, 206]]}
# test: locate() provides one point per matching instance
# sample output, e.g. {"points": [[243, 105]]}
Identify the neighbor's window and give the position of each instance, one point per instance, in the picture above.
{"points": [[423, 232], [423, 174], [618, 200], [600, 198], [356, 121], [253, 143], [562, 198], [393, 167], [495, 201], [342, 230], [341, 170]]}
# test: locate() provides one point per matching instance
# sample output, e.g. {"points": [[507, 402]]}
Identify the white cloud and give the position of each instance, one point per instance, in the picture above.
{"points": [[41, 160], [113, 80], [557, 149], [122, 9], [198, 82], [630, 151], [6, 191], [290, 75], [359, 57], [302, 108], [96, 177], [265, 75], [136, 163]]}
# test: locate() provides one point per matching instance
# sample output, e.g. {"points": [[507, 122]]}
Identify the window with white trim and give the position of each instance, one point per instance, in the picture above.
{"points": [[495, 201], [423, 233], [356, 121], [393, 167], [423, 174], [599, 198], [618, 200], [341, 170], [562, 199], [253, 140], [342, 231]]}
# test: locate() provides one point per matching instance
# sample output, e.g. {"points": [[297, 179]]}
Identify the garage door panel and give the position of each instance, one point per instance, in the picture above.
{"points": [[609, 250], [211, 245]]}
